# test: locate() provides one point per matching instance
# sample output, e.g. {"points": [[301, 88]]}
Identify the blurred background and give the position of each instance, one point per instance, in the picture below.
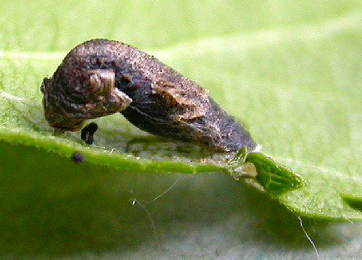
{"points": [[60, 25]]}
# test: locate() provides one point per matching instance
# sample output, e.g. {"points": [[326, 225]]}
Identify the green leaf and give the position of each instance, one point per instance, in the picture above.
{"points": [[291, 72], [274, 178], [264, 173]]}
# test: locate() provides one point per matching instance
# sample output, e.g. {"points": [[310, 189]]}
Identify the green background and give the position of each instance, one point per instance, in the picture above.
{"points": [[290, 71]]}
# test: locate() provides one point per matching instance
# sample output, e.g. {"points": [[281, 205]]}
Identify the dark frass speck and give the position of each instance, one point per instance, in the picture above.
{"points": [[101, 77], [88, 132], [78, 157]]}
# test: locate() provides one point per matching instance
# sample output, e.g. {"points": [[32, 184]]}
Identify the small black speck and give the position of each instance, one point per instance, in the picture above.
{"points": [[78, 157], [88, 132]]}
